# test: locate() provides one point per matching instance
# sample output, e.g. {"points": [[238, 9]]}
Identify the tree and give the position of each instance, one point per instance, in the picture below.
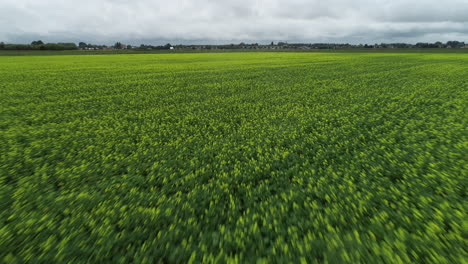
{"points": [[129, 46], [455, 44], [2, 45], [37, 43], [82, 45], [167, 46], [118, 45]]}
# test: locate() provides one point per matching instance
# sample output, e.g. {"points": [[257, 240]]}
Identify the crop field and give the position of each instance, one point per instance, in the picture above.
{"points": [[234, 158]]}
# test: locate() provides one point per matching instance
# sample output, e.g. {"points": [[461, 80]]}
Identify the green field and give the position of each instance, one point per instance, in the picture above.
{"points": [[234, 157]]}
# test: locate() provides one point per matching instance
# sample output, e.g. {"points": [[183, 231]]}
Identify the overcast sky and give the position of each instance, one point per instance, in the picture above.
{"points": [[226, 21]]}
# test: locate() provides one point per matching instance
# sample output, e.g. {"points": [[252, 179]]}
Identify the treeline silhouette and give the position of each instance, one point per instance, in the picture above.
{"points": [[40, 45]]}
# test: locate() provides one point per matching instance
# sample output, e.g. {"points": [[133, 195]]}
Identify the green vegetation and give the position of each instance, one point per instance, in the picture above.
{"points": [[234, 157], [137, 51], [38, 45]]}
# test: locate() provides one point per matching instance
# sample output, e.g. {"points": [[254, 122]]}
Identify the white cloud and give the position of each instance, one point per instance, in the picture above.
{"points": [[233, 20]]}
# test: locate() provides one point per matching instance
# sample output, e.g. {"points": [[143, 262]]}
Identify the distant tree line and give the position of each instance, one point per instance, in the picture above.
{"points": [[151, 47], [306, 46], [39, 45], [121, 46], [85, 46]]}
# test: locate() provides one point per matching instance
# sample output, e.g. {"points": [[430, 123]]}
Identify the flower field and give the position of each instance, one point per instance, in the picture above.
{"points": [[234, 158]]}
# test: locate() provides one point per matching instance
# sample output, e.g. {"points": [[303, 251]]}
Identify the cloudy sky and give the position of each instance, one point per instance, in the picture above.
{"points": [[232, 21]]}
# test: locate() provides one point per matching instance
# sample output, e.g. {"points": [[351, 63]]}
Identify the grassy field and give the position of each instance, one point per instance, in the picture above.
{"points": [[234, 157]]}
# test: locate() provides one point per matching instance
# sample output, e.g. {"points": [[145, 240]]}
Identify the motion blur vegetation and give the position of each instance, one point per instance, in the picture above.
{"points": [[234, 157]]}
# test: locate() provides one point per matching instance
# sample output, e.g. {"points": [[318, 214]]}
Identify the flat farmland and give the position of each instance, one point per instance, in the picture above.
{"points": [[234, 157]]}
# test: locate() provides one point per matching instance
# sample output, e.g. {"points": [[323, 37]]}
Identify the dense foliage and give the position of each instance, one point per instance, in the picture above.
{"points": [[36, 45], [237, 157]]}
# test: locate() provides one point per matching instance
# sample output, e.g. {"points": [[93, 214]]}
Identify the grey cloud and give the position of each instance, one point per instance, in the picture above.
{"points": [[225, 21]]}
